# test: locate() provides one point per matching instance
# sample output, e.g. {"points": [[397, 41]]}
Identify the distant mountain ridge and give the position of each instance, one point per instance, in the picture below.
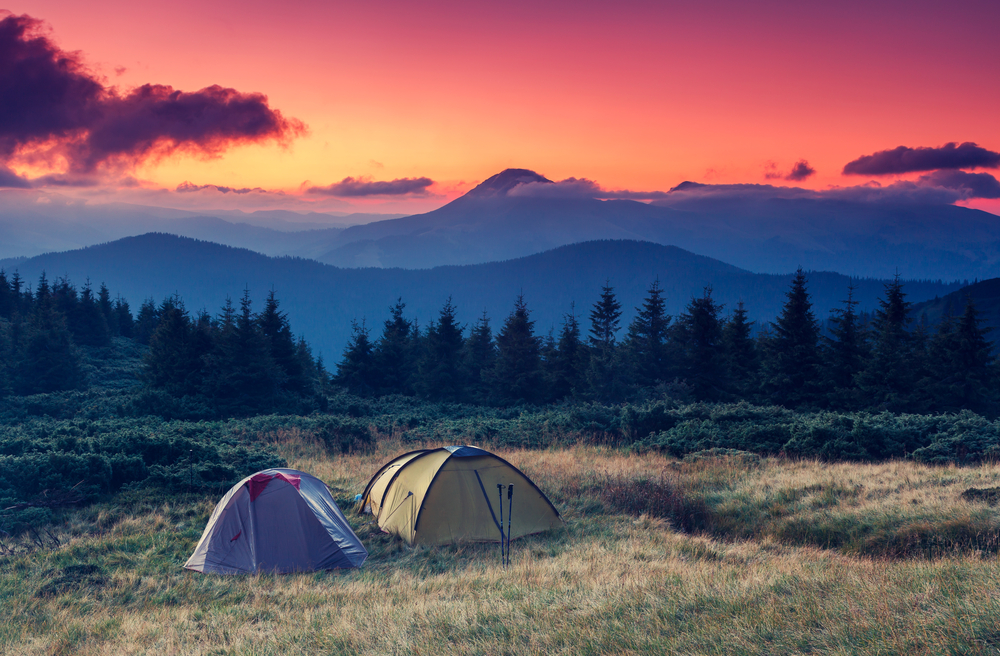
{"points": [[29, 229], [763, 234], [322, 301]]}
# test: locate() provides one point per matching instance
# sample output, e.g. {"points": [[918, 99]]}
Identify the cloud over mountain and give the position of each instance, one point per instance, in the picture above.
{"points": [[903, 159], [362, 186], [55, 111], [187, 187]]}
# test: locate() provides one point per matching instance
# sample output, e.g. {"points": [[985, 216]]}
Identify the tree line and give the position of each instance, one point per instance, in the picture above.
{"points": [[884, 361], [41, 330], [237, 362]]}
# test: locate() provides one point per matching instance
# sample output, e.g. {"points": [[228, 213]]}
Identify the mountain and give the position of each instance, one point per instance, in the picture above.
{"points": [[322, 301], [519, 212], [31, 228]]}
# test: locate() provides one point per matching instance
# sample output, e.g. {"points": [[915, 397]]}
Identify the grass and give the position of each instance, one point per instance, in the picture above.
{"points": [[776, 557]]}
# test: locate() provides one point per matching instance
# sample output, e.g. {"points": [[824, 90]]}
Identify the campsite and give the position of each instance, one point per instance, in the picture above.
{"points": [[777, 557]]}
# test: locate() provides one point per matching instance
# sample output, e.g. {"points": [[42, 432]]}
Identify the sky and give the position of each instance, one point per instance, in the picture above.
{"points": [[400, 106]]}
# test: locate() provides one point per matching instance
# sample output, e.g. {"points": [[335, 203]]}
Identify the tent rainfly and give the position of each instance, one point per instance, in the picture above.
{"points": [[439, 496], [278, 520]]}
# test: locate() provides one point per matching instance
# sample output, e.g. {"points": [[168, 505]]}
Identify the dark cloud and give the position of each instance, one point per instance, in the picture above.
{"points": [[800, 171], [187, 187], [56, 110], [9, 179], [362, 186], [938, 188], [976, 185], [913, 160]]}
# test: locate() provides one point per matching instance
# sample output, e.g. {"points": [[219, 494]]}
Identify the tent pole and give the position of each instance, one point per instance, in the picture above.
{"points": [[503, 559], [510, 515]]}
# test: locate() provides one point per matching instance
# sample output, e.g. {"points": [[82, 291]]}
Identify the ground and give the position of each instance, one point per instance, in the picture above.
{"points": [[776, 557]]}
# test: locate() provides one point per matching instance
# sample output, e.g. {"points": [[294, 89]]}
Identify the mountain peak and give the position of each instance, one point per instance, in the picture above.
{"points": [[502, 182]]}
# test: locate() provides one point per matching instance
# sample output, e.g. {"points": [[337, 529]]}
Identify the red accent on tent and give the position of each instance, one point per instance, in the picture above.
{"points": [[236, 536], [258, 482]]}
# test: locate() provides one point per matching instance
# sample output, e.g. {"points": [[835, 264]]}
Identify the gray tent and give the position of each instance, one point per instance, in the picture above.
{"points": [[278, 520]]}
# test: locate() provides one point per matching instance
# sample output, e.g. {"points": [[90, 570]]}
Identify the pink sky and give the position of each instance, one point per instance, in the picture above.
{"points": [[633, 95]]}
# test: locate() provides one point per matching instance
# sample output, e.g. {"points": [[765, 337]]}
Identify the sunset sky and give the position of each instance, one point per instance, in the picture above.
{"points": [[632, 95]]}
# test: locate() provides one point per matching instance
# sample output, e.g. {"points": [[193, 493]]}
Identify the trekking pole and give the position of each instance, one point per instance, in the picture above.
{"points": [[510, 515], [503, 558]]}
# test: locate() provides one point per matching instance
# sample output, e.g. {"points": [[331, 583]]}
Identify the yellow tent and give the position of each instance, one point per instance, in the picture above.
{"points": [[438, 496]]}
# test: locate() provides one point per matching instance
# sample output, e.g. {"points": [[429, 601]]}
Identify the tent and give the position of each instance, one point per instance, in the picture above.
{"points": [[278, 520], [438, 496]]}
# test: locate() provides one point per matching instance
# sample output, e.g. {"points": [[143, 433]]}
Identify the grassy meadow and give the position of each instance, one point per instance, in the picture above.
{"points": [[722, 553]]}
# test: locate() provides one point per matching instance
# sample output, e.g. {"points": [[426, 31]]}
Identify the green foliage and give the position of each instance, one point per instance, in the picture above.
{"points": [[517, 375]]}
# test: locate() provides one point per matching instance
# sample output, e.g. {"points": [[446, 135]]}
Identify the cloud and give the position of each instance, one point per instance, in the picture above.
{"points": [[975, 185], [913, 160], [568, 188], [56, 111], [937, 188], [9, 179], [187, 187], [800, 171], [364, 186]]}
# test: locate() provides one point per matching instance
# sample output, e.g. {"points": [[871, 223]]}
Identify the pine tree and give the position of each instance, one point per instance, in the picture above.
{"points": [[91, 326], [357, 370], [740, 349], [699, 335], [887, 380], [568, 367], [440, 368], [241, 377], [479, 356], [172, 361], [961, 366], [47, 360], [145, 323], [281, 344], [845, 353], [647, 339], [108, 310], [123, 318], [604, 375], [517, 376], [8, 301], [791, 370], [395, 353]]}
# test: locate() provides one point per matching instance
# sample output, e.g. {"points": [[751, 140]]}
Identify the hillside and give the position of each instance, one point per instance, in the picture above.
{"points": [[322, 301], [985, 294], [757, 232]]}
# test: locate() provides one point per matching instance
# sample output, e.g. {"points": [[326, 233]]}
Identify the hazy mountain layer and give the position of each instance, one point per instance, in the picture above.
{"points": [[517, 213], [322, 301], [28, 229]]}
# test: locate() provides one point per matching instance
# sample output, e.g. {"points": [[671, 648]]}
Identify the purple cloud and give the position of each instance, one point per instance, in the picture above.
{"points": [[187, 187], [55, 109], [11, 180], [913, 160], [800, 171], [362, 186], [568, 188], [975, 185]]}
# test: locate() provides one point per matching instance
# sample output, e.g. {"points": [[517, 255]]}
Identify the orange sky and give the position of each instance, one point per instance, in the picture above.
{"points": [[634, 95]]}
